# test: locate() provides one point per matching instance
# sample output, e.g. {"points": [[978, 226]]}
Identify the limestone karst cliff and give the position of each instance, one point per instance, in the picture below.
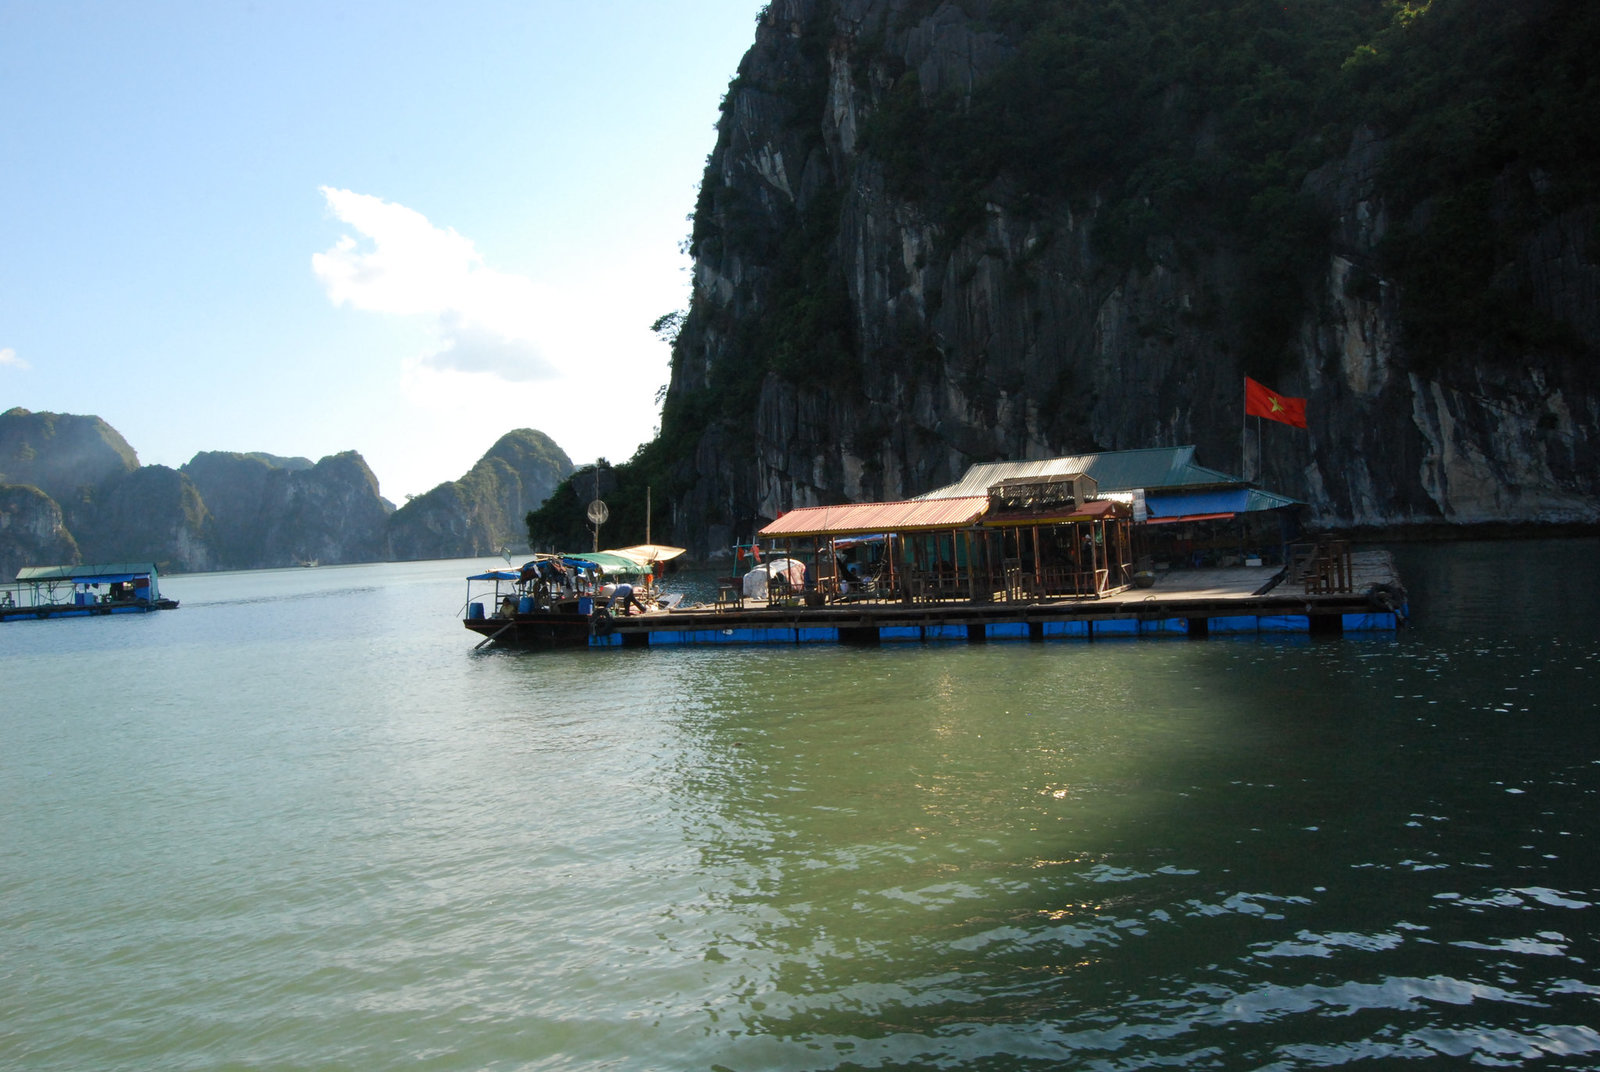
{"points": [[31, 530], [61, 453], [152, 514], [933, 234], [271, 511], [226, 510], [483, 511]]}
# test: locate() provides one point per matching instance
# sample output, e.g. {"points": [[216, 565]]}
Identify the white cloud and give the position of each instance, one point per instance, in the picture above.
{"points": [[9, 359], [571, 355], [472, 348], [485, 321]]}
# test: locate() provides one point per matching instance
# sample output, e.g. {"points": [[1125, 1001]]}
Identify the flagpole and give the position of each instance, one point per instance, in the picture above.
{"points": [[1259, 465], [1244, 439]]}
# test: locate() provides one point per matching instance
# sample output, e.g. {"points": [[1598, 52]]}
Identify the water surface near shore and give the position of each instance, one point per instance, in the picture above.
{"points": [[299, 823]]}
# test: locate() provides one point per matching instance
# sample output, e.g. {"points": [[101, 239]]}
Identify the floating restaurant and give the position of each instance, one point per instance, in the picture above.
{"points": [[1119, 544], [82, 591]]}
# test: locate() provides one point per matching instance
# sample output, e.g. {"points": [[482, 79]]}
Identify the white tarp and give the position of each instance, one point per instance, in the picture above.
{"points": [[755, 582]]}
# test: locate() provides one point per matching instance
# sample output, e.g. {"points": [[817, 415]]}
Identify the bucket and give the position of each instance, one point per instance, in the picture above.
{"points": [[585, 605], [474, 610]]}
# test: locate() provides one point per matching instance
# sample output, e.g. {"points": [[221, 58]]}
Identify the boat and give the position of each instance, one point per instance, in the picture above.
{"points": [[554, 600], [82, 591]]}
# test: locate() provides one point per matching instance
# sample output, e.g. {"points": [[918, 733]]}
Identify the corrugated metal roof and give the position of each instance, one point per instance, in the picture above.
{"points": [[1117, 470], [863, 518], [1150, 469], [86, 572], [1262, 499]]}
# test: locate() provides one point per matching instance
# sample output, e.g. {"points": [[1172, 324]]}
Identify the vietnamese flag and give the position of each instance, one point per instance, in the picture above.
{"points": [[1260, 401]]}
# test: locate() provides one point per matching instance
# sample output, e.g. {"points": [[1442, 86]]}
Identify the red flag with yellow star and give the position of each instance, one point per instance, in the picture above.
{"points": [[1260, 401]]}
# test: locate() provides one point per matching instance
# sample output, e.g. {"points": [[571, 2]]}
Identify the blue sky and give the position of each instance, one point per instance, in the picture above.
{"points": [[399, 228]]}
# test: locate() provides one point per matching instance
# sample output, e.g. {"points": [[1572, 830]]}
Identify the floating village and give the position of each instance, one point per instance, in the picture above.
{"points": [[1120, 544], [1129, 543]]}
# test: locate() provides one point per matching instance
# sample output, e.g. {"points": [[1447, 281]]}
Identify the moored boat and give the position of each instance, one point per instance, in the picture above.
{"points": [[82, 591], [555, 601]]}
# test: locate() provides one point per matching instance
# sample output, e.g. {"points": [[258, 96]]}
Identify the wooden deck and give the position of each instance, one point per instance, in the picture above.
{"points": [[1181, 603]]}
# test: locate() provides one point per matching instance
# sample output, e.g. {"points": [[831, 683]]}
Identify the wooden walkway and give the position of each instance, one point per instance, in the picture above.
{"points": [[1182, 602]]}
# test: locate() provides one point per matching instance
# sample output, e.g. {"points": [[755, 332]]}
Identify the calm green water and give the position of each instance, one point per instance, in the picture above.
{"points": [[298, 824]]}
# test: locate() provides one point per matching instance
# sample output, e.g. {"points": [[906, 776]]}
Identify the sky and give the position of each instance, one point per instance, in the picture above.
{"points": [[399, 228]]}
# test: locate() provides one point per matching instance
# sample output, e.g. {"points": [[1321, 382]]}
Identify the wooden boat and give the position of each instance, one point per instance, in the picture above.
{"points": [[552, 601], [82, 591]]}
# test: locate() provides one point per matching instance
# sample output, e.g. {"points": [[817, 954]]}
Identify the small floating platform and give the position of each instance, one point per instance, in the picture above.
{"points": [[84, 591], [1180, 603]]}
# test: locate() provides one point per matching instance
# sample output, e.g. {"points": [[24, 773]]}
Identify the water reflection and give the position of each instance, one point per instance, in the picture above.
{"points": [[1030, 854], [285, 841]]}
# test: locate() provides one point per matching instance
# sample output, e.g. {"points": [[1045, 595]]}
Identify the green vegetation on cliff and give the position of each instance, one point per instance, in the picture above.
{"points": [[61, 453], [637, 494], [483, 511], [1186, 128], [1200, 122]]}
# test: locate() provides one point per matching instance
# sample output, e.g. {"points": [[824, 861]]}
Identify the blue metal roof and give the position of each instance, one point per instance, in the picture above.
{"points": [[1192, 503]]}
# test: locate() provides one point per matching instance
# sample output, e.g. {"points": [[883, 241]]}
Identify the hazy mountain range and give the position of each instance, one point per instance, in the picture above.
{"points": [[72, 489]]}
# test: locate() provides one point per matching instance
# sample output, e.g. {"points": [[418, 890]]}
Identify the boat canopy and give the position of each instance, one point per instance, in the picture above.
{"points": [[611, 562], [652, 552], [89, 573], [495, 575]]}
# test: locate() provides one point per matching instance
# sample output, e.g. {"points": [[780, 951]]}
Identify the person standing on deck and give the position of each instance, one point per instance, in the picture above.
{"points": [[623, 597]]}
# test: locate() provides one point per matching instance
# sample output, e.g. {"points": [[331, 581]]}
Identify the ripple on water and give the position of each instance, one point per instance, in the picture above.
{"points": [[283, 842]]}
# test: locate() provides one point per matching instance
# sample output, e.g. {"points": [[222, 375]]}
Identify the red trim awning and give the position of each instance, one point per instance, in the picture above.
{"points": [[1189, 517]]}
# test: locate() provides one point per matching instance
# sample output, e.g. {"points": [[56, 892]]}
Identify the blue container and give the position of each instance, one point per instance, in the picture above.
{"points": [[474, 610], [525, 605], [585, 605]]}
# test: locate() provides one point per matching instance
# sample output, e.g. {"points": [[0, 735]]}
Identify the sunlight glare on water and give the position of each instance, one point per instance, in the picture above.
{"points": [[300, 823]]}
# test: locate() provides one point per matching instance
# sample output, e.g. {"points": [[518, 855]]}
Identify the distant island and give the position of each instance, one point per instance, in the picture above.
{"points": [[72, 490]]}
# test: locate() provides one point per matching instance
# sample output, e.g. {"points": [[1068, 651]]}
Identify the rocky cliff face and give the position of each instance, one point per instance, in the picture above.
{"points": [[153, 514], [330, 513], [234, 488], [247, 511], [272, 512], [61, 453], [483, 511], [1010, 336], [31, 531]]}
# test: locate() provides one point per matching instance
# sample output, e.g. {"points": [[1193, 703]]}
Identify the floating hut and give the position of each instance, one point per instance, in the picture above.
{"points": [[1185, 515], [82, 591], [1038, 535]]}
